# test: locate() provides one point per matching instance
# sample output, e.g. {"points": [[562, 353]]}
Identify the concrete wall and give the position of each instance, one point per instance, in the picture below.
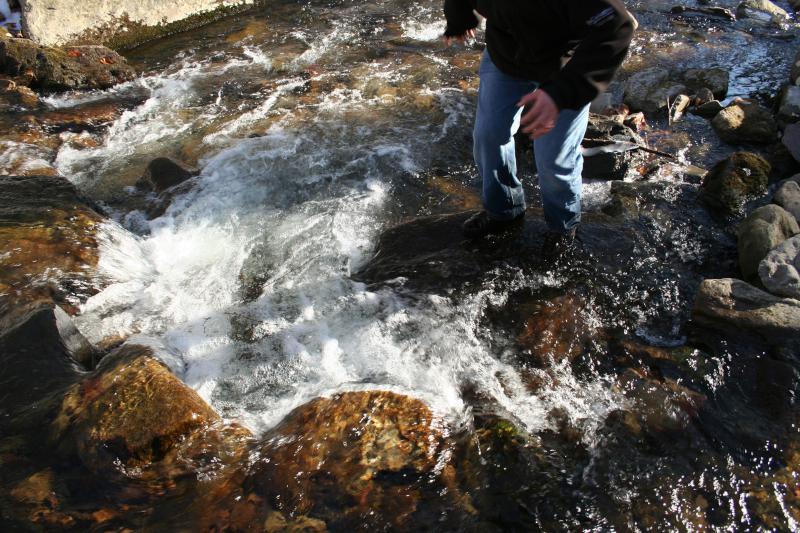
{"points": [[116, 22]]}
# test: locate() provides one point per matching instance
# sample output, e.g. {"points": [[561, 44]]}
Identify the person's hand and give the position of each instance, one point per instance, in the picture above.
{"points": [[469, 34], [541, 116]]}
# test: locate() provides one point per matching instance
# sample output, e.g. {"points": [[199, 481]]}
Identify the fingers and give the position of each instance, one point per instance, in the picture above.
{"points": [[541, 116], [462, 39]]}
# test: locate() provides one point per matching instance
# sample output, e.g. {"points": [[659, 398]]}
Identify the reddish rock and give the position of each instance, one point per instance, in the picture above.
{"points": [[557, 331]]}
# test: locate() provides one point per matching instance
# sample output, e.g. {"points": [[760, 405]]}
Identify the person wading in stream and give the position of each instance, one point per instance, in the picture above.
{"points": [[545, 61]]}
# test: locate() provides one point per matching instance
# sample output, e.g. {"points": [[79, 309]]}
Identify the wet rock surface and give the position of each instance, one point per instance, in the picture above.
{"points": [[734, 181], [764, 229], [780, 269], [354, 459], [76, 67], [46, 227], [788, 197], [611, 149]]}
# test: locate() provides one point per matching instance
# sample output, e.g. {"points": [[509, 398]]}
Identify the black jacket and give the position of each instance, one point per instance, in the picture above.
{"points": [[571, 47]]}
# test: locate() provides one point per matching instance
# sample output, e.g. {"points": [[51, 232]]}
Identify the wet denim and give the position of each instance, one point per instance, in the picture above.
{"points": [[558, 154]]}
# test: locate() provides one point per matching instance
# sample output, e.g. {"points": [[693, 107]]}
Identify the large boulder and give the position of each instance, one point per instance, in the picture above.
{"points": [[357, 458], [47, 233], [764, 229], [788, 197], [76, 67], [133, 416], [745, 122], [736, 307], [780, 270], [734, 181]]}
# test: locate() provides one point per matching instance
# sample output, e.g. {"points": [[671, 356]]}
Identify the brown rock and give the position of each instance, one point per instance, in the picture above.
{"points": [[132, 415], [77, 67], [340, 460], [48, 234], [36, 489], [557, 331]]}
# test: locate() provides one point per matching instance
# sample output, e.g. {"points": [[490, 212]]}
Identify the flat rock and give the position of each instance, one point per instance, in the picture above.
{"points": [[75, 67], [734, 181], [734, 306], [431, 252], [780, 270], [762, 10], [745, 122], [764, 229], [650, 90], [714, 79], [788, 197]]}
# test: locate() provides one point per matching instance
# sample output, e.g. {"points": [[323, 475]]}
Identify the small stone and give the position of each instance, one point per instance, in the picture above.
{"points": [[763, 230], [734, 181], [762, 10], [7, 85], [788, 197], [678, 107], [746, 122], [780, 270]]}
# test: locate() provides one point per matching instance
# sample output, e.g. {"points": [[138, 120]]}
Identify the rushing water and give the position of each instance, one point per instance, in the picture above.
{"points": [[315, 127]]}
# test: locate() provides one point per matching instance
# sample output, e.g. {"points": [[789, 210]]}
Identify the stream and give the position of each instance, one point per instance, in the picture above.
{"points": [[315, 127]]}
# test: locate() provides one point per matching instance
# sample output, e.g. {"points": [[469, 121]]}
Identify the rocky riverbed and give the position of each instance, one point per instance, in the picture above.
{"points": [[234, 295]]}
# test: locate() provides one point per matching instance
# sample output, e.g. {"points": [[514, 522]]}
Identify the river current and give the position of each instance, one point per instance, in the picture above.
{"points": [[314, 127]]}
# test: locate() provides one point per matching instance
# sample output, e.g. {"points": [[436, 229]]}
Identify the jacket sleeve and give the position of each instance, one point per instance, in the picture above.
{"points": [[606, 28], [460, 17]]}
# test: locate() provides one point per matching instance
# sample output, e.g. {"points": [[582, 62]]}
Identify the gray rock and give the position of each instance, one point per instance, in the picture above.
{"points": [[780, 270], [714, 79], [791, 140], [763, 230], [795, 72], [746, 122], [763, 11], [703, 96], [650, 89], [788, 197], [735, 306], [789, 107]]}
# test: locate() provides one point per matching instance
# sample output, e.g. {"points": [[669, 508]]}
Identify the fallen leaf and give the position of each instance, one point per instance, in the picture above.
{"points": [[107, 60], [74, 53]]}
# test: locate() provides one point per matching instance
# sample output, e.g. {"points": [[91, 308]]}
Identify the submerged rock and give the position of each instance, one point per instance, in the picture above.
{"points": [[780, 270], [135, 417], [47, 232], [352, 460], [76, 67], [558, 330], [733, 182], [763, 230], [745, 122], [736, 307], [163, 173]]}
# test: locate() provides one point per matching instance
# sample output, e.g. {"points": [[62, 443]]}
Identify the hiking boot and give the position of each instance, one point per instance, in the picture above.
{"points": [[481, 224], [557, 244]]}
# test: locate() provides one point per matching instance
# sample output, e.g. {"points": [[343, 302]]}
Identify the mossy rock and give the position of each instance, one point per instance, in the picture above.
{"points": [[735, 181]]}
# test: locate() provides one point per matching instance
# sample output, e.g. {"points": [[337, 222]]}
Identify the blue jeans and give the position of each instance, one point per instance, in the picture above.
{"points": [[558, 154]]}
